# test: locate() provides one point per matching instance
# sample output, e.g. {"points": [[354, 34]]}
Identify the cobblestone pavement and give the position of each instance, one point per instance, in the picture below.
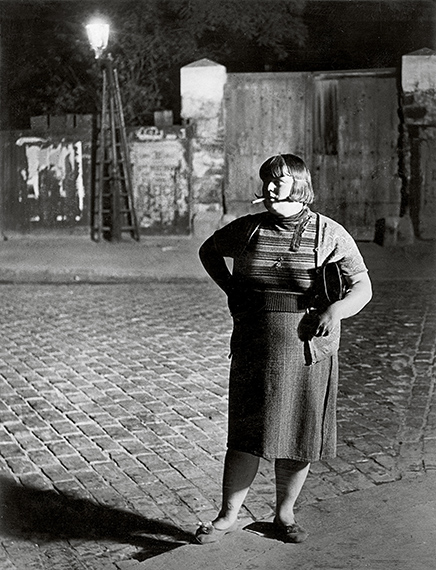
{"points": [[113, 415]]}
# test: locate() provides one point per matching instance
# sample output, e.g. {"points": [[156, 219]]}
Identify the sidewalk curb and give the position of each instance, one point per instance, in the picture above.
{"points": [[10, 277], [71, 259], [384, 528]]}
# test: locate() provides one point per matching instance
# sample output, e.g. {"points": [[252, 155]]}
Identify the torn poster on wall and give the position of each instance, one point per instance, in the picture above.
{"points": [[54, 179]]}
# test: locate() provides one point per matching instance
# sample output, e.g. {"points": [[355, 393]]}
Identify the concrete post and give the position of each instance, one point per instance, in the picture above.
{"points": [[418, 82], [202, 94]]}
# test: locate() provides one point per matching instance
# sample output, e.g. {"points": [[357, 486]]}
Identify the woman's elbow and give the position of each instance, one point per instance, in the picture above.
{"points": [[368, 285], [360, 287], [205, 249], [365, 289]]}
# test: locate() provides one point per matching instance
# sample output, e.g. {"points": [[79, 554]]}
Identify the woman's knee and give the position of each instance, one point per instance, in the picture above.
{"points": [[291, 465]]}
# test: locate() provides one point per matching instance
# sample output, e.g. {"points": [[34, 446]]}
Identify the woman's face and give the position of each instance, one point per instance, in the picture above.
{"points": [[276, 189]]}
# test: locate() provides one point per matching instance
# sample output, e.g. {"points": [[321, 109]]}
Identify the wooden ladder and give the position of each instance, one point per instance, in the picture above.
{"points": [[113, 209]]}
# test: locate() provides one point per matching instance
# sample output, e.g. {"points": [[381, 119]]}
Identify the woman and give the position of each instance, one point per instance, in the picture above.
{"points": [[283, 382]]}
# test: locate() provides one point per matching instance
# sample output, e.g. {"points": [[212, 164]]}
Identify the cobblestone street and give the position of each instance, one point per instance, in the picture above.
{"points": [[113, 415]]}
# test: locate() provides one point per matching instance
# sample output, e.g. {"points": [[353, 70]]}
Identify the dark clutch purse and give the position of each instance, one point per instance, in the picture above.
{"points": [[330, 285]]}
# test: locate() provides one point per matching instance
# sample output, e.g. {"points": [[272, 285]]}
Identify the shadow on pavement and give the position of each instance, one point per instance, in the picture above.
{"points": [[32, 513], [262, 528]]}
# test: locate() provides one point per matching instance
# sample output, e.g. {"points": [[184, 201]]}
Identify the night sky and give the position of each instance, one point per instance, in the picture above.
{"points": [[341, 35]]}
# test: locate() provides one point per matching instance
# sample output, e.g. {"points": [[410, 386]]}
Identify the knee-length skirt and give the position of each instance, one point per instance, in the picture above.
{"points": [[278, 406]]}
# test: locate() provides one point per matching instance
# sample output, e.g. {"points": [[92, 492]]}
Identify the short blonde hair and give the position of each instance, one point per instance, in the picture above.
{"points": [[290, 165]]}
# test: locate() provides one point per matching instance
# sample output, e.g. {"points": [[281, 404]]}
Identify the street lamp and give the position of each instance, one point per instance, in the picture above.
{"points": [[113, 209], [98, 36]]}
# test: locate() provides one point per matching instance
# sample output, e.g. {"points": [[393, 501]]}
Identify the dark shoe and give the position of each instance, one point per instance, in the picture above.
{"points": [[207, 533], [291, 532]]}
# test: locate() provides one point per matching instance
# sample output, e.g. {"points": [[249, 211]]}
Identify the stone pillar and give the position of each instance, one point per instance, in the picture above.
{"points": [[1, 126], [202, 94], [418, 82]]}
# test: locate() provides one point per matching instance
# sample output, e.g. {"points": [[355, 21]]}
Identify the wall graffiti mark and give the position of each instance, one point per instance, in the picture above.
{"points": [[155, 134], [160, 179]]}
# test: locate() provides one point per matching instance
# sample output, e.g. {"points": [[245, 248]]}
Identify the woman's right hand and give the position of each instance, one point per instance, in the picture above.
{"points": [[235, 297], [242, 299]]}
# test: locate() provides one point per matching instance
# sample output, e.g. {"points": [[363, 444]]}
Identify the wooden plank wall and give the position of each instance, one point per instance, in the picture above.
{"points": [[357, 182], [423, 181], [265, 114], [344, 125]]}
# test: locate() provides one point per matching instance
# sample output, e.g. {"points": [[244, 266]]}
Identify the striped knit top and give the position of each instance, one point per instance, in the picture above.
{"points": [[279, 257]]}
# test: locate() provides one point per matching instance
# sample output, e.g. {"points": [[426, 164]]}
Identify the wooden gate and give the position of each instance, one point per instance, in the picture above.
{"points": [[265, 114], [345, 125]]}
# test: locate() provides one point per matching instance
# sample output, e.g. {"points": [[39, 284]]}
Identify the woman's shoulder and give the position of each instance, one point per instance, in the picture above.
{"points": [[326, 219], [233, 237], [330, 225], [242, 222], [339, 245]]}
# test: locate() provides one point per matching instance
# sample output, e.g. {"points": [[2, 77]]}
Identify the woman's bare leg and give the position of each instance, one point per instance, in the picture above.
{"points": [[239, 472], [290, 478]]}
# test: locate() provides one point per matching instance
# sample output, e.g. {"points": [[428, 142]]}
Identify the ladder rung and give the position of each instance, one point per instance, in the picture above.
{"points": [[122, 210], [123, 228], [99, 162]]}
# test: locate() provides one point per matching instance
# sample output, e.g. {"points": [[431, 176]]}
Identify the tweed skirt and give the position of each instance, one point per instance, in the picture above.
{"points": [[278, 406]]}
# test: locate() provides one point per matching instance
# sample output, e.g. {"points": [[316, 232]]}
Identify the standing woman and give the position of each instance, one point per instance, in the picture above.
{"points": [[284, 367]]}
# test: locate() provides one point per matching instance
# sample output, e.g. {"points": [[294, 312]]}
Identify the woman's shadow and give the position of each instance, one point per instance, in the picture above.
{"points": [[28, 512]]}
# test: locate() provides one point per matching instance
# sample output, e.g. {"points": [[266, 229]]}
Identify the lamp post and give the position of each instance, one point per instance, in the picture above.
{"points": [[113, 209]]}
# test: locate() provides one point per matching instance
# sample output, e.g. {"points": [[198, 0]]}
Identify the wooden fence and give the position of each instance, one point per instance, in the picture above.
{"points": [[345, 125]]}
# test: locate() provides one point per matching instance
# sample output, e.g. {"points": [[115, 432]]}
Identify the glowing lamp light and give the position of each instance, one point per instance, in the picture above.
{"points": [[98, 36]]}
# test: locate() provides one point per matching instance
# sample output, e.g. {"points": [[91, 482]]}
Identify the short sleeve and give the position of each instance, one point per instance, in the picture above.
{"points": [[346, 252], [231, 239]]}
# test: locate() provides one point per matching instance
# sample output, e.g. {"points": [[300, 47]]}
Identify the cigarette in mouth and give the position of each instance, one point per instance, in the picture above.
{"points": [[257, 201]]}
